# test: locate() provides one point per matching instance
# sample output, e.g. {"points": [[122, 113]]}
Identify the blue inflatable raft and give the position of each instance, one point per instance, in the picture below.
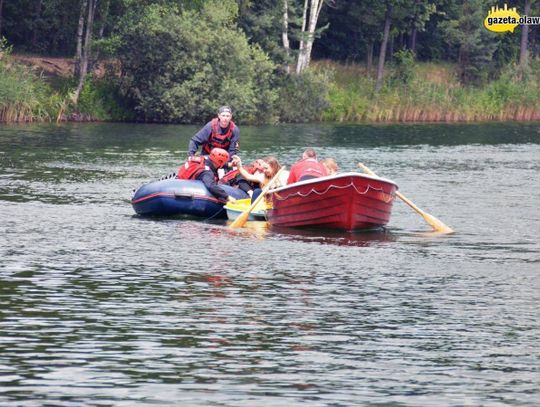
{"points": [[172, 197]]}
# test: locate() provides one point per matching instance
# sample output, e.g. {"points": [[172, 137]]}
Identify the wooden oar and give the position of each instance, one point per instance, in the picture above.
{"points": [[241, 220], [435, 223]]}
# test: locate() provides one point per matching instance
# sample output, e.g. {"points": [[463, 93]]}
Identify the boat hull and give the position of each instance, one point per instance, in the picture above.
{"points": [[174, 197], [236, 209], [349, 201]]}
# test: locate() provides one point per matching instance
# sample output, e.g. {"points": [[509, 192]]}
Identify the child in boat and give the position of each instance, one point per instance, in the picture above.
{"points": [[270, 167], [235, 179], [330, 165]]}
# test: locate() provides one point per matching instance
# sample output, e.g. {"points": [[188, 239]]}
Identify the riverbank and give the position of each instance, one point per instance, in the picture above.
{"points": [[39, 89], [430, 92]]}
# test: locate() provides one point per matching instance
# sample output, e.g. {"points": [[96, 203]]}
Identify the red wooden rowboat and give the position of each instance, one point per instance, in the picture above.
{"points": [[349, 201]]}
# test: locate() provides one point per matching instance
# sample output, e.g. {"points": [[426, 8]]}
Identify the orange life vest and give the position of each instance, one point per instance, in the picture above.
{"points": [[192, 168], [217, 140]]}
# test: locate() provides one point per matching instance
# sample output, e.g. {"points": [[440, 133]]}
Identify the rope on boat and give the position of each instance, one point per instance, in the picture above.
{"points": [[313, 190], [214, 215]]}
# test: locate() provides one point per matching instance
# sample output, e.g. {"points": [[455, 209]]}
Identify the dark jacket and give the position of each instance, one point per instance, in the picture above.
{"points": [[203, 135]]}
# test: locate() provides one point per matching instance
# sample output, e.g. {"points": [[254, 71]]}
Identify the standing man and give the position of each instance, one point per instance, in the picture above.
{"points": [[220, 132]]}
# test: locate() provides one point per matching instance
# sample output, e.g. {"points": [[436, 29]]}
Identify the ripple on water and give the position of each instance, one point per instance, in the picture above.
{"points": [[100, 307]]}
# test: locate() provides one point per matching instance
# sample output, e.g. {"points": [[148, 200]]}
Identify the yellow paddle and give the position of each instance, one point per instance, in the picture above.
{"points": [[241, 220], [435, 223]]}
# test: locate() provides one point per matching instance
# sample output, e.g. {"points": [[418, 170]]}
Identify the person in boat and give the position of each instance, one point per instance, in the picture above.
{"points": [[331, 166], [205, 168], [256, 175], [308, 167], [270, 168], [220, 132]]}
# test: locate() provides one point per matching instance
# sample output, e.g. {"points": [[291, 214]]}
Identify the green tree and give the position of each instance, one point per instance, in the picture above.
{"points": [[475, 45], [179, 65]]}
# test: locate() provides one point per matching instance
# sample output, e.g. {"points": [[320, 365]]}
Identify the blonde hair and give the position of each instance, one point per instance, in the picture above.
{"points": [[275, 166], [273, 163], [330, 165]]}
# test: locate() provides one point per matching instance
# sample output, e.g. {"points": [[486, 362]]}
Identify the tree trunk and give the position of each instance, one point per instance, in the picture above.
{"points": [[1, 18], [414, 28], [80, 32], [412, 40], [301, 47], [103, 22], [314, 17], [104, 17], [305, 52], [35, 31], [384, 44], [86, 48], [285, 34], [523, 51], [370, 47]]}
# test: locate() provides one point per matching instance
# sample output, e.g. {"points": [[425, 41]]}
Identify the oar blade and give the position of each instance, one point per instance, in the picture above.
{"points": [[241, 220], [436, 224]]}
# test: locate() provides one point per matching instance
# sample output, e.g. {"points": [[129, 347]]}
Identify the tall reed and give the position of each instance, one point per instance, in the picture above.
{"points": [[25, 96], [433, 94]]}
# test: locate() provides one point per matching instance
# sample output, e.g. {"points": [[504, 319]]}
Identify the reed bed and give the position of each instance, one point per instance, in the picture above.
{"points": [[433, 95], [24, 95]]}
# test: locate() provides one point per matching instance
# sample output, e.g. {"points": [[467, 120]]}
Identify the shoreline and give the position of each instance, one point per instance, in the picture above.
{"points": [[433, 96]]}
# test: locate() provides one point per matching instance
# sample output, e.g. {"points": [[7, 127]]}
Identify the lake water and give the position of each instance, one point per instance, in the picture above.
{"points": [[100, 307]]}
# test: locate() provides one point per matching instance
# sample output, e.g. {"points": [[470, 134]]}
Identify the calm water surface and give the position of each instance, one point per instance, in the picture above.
{"points": [[100, 307]]}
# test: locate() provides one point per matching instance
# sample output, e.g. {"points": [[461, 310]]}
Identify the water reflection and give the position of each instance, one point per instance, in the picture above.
{"points": [[338, 238]]}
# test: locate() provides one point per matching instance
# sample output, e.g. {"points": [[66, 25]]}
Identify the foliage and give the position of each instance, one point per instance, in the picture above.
{"points": [[475, 44], [179, 66], [23, 95], [261, 21], [100, 99], [181, 59], [303, 98], [404, 66]]}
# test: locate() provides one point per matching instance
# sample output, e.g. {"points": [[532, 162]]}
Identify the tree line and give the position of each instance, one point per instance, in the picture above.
{"points": [[173, 59]]}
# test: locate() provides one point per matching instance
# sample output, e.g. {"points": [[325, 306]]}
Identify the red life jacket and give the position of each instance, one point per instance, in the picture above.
{"points": [[192, 168], [232, 177], [307, 167], [217, 140]]}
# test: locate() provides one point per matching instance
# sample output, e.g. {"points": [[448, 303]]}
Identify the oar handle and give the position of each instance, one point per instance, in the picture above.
{"points": [[398, 194], [243, 217]]}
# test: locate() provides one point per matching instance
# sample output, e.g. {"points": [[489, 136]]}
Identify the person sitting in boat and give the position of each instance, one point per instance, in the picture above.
{"points": [[205, 169], [270, 167], [235, 179], [331, 166], [220, 132], [308, 167]]}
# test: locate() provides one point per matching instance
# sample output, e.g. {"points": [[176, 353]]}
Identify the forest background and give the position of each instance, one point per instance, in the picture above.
{"points": [[171, 61]]}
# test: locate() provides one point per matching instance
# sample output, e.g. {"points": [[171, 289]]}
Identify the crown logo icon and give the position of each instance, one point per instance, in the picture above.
{"points": [[502, 19]]}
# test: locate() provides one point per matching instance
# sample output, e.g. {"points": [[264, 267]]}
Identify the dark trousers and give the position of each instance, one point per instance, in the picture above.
{"points": [[256, 193]]}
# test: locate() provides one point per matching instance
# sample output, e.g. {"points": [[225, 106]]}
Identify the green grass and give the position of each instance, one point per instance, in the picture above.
{"points": [[25, 97]]}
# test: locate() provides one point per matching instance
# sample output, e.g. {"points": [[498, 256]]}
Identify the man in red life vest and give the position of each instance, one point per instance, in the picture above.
{"points": [[204, 168], [308, 167], [220, 132]]}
